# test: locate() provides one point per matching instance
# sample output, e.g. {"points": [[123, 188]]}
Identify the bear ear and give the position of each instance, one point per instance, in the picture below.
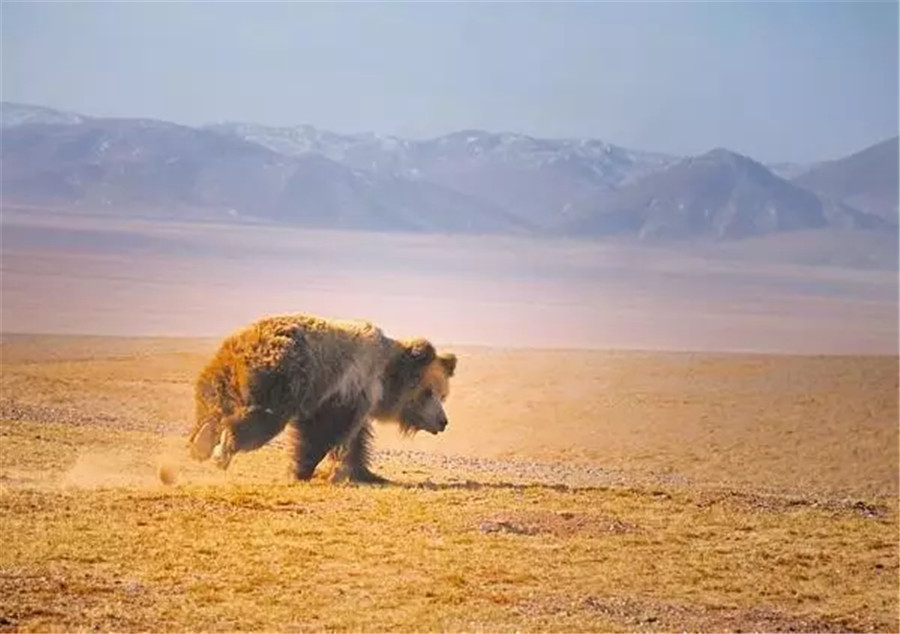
{"points": [[420, 352], [448, 361]]}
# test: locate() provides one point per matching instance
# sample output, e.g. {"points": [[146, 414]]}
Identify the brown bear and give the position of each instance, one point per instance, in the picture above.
{"points": [[326, 380]]}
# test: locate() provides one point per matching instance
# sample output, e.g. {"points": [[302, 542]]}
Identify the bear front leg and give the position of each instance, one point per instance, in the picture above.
{"points": [[308, 448], [314, 436], [247, 430], [352, 458]]}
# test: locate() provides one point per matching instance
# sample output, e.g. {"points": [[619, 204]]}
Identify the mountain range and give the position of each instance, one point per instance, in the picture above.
{"points": [[464, 182]]}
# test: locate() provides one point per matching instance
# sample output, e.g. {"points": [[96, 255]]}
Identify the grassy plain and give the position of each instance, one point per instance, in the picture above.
{"points": [[573, 491]]}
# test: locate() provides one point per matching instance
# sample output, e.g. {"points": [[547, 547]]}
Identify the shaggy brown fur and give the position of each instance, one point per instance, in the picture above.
{"points": [[326, 380]]}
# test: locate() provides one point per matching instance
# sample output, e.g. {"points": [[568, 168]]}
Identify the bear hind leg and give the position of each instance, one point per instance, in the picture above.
{"points": [[249, 429], [206, 430], [203, 441]]}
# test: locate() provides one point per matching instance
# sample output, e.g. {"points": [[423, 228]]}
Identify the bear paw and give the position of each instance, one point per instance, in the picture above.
{"points": [[358, 476], [224, 451], [203, 442]]}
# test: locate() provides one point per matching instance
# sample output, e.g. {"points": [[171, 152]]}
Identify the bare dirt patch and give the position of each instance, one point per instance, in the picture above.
{"points": [[649, 615]]}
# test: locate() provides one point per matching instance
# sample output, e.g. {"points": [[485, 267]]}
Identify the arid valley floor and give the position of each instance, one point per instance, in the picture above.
{"points": [[573, 491], [580, 486]]}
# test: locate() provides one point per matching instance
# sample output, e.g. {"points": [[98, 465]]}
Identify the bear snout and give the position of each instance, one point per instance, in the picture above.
{"points": [[437, 426]]}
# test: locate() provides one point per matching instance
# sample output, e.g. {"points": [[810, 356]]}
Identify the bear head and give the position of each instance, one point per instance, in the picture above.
{"points": [[415, 384]]}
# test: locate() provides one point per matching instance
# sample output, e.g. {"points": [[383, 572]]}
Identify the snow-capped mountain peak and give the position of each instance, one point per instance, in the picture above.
{"points": [[15, 114]]}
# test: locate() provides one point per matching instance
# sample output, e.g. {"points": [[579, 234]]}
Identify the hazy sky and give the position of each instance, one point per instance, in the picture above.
{"points": [[779, 81]]}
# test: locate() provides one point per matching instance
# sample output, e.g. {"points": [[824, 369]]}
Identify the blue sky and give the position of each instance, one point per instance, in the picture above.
{"points": [[778, 81]]}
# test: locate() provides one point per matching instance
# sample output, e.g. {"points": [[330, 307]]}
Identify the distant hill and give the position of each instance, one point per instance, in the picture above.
{"points": [[15, 114], [530, 178], [465, 182], [719, 195], [137, 165], [868, 180]]}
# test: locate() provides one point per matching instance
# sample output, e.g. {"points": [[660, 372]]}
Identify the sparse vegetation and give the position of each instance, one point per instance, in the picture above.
{"points": [[573, 491]]}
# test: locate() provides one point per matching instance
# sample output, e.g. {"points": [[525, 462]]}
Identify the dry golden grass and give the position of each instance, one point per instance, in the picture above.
{"points": [[584, 492], [785, 423]]}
